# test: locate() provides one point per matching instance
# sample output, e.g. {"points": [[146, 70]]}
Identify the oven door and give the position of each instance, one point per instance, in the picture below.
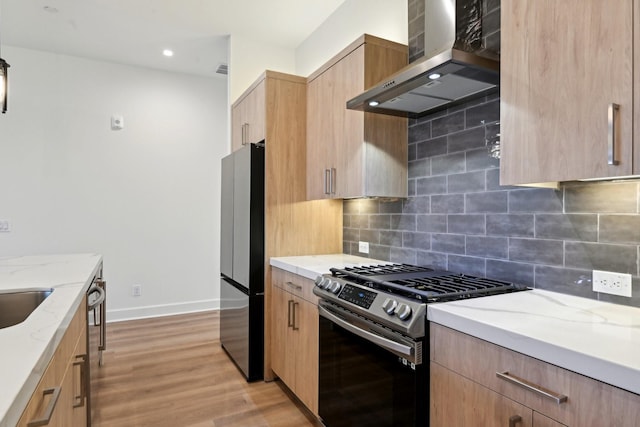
{"points": [[364, 380]]}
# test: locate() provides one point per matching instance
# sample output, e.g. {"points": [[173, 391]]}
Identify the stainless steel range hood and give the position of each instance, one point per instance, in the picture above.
{"points": [[455, 68]]}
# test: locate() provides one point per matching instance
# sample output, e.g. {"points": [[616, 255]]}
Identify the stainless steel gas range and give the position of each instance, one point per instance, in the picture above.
{"points": [[373, 345]]}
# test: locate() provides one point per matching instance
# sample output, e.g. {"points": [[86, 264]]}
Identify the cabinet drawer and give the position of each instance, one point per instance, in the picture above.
{"points": [[294, 284], [588, 401]]}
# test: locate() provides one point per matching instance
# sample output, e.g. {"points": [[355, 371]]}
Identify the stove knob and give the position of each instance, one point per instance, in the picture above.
{"points": [[389, 306], [324, 283], [318, 280], [335, 287], [403, 312]]}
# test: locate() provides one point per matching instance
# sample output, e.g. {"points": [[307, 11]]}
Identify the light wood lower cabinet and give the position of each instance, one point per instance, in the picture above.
{"points": [[61, 394], [466, 390], [295, 336]]}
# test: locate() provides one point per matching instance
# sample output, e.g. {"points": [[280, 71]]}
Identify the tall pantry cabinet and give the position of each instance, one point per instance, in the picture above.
{"points": [[293, 225], [352, 153]]}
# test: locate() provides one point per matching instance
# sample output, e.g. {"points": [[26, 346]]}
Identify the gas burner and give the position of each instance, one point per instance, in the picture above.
{"points": [[422, 283]]}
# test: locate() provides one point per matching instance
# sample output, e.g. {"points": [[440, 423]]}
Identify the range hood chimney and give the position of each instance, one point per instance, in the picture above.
{"points": [[455, 67]]}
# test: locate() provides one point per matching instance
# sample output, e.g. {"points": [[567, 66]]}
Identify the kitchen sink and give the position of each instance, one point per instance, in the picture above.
{"points": [[15, 307]]}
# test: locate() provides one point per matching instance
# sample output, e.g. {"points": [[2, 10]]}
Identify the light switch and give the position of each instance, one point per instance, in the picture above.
{"points": [[117, 122], [4, 226]]}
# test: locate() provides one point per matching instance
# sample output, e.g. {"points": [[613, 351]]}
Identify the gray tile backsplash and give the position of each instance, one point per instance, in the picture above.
{"points": [[461, 219], [458, 217]]}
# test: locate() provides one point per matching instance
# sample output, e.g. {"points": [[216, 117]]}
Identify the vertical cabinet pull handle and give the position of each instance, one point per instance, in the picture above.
{"points": [[295, 326], [332, 181], [611, 133], [326, 181], [289, 314], [55, 392], [556, 397], [245, 133], [514, 419], [79, 400]]}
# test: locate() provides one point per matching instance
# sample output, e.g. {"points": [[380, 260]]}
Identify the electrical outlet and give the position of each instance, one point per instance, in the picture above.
{"points": [[4, 226], [363, 247], [136, 290], [612, 283]]}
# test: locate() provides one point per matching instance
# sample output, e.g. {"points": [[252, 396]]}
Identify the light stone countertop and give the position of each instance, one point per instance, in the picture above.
{"points": [[593, 338], [27, 348], [597, 339], [312, 266]]}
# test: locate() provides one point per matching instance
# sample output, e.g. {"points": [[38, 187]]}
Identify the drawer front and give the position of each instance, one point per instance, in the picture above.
{"points": [[588, 401], [294, 284]]}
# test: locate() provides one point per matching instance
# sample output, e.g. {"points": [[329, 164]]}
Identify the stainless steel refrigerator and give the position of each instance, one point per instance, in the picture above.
{"points": [[242, 259]]}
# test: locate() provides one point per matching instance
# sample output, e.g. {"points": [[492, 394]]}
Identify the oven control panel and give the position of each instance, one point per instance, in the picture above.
{"points": [[358, 296]]}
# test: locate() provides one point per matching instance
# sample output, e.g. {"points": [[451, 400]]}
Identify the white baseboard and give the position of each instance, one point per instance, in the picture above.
{"points": [[122, 314]]}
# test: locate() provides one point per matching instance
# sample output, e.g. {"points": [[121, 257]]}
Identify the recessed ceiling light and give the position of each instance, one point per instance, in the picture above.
{"points": [[373, 103], [167, 52], [435, 76]]}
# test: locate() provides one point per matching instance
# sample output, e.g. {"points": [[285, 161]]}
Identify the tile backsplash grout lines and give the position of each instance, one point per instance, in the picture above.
{"points": [[458, 216]]}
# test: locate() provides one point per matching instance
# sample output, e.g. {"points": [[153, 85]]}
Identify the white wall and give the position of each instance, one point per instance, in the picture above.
{"points": [[383, 18], [249, 58], [146, 197]]}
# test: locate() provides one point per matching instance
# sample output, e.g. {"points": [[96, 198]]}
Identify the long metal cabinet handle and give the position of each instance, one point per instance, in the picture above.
{"points": [[293, 285], [514, 419], [327, 178], [79, 400], [611, 121], [376, 339], [289, 318], [556, 397], [295, 326], [55, 392], [332, 181], [244, 133]]}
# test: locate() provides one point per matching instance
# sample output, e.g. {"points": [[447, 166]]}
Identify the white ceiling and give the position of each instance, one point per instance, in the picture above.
{"points": [[136, 31]]}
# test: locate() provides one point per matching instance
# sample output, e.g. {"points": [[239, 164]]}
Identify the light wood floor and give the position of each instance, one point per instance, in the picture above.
{"points": [[172, 372]]}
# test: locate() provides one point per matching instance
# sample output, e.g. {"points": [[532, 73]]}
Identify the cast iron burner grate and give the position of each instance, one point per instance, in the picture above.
{"points": [[423, 283]]}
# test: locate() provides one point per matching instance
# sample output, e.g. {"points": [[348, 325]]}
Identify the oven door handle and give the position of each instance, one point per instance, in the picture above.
{"points": [[101, 295], [374, 338]]}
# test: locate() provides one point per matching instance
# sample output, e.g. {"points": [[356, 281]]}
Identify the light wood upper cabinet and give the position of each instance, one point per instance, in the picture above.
{"points": [[248, 117], [352, 153], [464, 378], [563, 65], [295, 335], [61, 395]]}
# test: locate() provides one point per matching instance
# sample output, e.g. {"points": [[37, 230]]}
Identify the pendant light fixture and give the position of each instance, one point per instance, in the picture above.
{"points": [[4, 67]]}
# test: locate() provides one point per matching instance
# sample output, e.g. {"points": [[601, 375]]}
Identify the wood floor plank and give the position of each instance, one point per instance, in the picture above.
{"points": [[172, 371]]}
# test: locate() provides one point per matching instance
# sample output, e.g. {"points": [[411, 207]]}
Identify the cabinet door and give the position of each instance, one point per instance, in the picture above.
{"points": [[305, 343], [349, 77], [238, 118], [248, 118], [322, 131], [281, 351], [256, 114], [563, 63], [457, 401]]}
